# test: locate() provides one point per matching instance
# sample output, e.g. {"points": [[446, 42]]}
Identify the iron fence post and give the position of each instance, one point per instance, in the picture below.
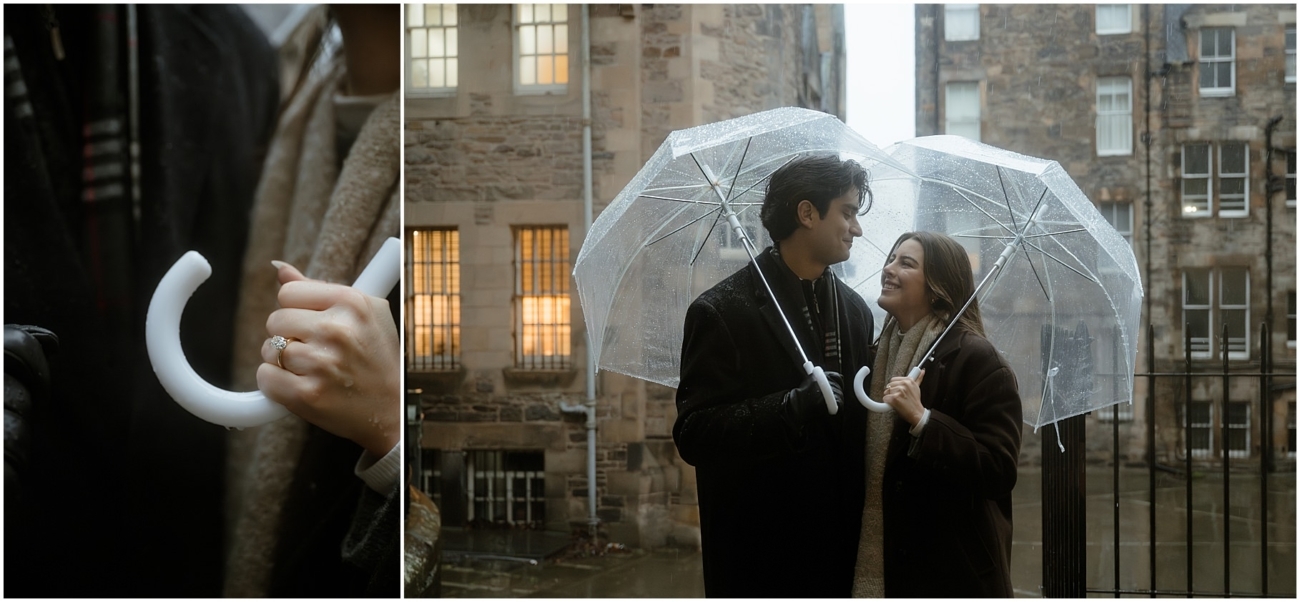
{"points": [[1064, 477]]}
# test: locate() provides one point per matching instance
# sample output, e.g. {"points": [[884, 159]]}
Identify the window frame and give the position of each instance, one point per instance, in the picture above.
{"points": [[560, 271], [1244, 427], [1204, 61], [517, 25], [1110, 209], [1187, 425], [964, 12], [965, 120], [410, 89], [1290, 430], [1186, 176], [1289, 50], [1221, 175], [1108, 86], [1208, 307], [1290, 319], [1223, 307], [1290, 179], [1115, 9], [450, 274]]}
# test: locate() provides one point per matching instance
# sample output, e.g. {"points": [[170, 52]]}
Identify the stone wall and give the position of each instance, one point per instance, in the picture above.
{"points": [[488, 158]]}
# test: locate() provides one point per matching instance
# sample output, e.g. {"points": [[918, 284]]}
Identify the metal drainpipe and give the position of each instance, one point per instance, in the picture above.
{"points": [[590, 407]]}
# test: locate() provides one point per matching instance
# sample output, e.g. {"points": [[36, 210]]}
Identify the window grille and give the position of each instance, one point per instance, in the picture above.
{"points": [[1218, 60], [542, 325], [1290, 430], [1290, 180], [542, 46], [961, 22], [506, 488], [962, 109], [1114, 18], [1124, 411], [433, 299], [1238, 430], [432, 48], [1114, 115]]}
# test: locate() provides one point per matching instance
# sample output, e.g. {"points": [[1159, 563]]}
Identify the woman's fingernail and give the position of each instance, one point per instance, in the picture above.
{"points": [[279, 264]]}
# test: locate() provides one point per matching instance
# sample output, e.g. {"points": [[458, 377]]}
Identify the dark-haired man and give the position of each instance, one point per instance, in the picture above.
{"points": [[779, 479]]}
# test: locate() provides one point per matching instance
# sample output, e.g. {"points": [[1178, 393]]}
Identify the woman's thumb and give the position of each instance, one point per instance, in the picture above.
{"points": [[286, 273]]}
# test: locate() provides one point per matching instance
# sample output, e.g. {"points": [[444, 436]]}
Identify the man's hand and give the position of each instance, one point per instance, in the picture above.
{"points": [[806, 401], [342, 372]]}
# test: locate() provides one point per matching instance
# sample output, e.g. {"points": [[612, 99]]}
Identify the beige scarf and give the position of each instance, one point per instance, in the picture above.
{"points": [[328, 223], [897, 354]]}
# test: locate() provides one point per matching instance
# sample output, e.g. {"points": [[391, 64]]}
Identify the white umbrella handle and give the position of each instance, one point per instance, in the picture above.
{"points": [[824, 384], [868, 402], [163, 329]]}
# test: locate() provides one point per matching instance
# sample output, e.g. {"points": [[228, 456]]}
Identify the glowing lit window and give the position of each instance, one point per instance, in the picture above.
{"points": [[542, 46], [432, 48], [542, 272], [433, 299]]}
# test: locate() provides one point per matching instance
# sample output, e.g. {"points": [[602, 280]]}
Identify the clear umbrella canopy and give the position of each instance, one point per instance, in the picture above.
{"points": [[665, 239], [1064, 309]]}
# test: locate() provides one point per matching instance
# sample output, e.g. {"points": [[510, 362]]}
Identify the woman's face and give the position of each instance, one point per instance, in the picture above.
{"points": [[903, 292]]}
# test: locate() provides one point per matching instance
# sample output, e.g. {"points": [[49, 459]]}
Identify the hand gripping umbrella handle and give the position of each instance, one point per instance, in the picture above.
{"points": [[162, 338], [868, 402], [824, 384]]}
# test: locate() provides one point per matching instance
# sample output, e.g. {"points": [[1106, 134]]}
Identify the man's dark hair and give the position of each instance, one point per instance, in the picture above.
{"points": [[818, 179]]}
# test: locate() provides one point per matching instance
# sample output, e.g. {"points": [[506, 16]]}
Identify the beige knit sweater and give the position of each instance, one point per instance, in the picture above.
{"points": [[328, 222]]}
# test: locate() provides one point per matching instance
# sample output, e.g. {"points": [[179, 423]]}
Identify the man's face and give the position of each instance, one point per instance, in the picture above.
{"points": [[832, 235]]}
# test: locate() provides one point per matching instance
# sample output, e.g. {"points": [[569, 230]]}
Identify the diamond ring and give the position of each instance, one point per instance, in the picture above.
{"points": [[279, 343]]}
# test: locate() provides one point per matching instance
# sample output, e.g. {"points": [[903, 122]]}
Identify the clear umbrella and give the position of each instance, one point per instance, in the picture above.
{"points": [[687, 220], [1058, 287]]}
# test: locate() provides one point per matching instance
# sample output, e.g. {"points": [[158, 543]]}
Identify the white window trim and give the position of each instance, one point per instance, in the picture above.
{"points": [[1231, 59], [1223, 307], [1290, 52], [1208, 308], [1239, 453], [1290, 175], [1120, 30], [1218, 184], [948, 120], [1208, 425], [1125, 116], [1290, 316], [1209, 183], [535, 89], [948, 11], [408, 88]]}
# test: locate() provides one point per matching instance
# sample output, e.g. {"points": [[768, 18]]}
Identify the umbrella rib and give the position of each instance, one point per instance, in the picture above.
{"points": [[1067, 266], [981, 210], [706, 238], [1036, 276], [1006, 197], [664, 198], [684, 226], [739, 167], [1056, 233]]}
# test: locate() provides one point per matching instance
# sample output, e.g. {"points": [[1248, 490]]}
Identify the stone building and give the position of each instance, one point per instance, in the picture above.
{"points": [[494, 210], [1179, 121]]}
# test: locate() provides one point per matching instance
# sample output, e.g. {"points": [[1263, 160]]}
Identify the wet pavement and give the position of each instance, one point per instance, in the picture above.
{"points": [[671, 573]]}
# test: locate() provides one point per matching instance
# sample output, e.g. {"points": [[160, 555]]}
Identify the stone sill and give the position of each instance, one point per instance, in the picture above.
{"points": [[538, 378], [437, 382]]}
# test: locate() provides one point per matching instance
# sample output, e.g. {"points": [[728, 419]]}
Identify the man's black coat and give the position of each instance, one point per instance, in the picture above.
{"points": [[780, 501]]}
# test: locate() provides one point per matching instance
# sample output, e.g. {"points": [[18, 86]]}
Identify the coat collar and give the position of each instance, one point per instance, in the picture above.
{"points": [[789, 294]]}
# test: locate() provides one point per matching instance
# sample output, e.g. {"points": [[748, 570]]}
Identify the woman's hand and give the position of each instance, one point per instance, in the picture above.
{"points": [[904, 396], [342, 370]]}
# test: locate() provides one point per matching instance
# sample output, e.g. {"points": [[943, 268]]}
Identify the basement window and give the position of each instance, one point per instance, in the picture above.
{"points": [[506, 488]]}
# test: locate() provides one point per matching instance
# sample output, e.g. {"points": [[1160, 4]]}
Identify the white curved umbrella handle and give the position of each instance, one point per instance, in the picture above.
{"points": [[163, 329], [824, 384], [867, 402]]}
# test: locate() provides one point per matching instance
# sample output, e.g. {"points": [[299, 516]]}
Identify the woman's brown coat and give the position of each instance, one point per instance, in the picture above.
{"points": [[947, 494]]}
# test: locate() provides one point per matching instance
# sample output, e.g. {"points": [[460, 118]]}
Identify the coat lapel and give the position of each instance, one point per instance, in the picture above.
{"points": [[792, 309]]}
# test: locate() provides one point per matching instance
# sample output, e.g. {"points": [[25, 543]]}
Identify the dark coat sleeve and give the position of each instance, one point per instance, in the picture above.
{"points": [[720, 420], [978, 449]]}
